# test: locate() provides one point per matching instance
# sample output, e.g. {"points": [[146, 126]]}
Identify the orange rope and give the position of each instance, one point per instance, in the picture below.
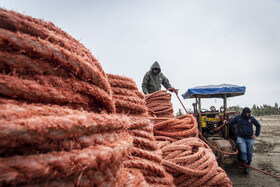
{"points": [[260, 170], [48, 143], [236, 152], [145, 154], [181, 103], [185, 156], [160, 104], [193, 159]]}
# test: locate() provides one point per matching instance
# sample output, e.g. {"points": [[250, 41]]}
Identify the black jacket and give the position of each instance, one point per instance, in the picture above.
{"points": [[245, 126]]}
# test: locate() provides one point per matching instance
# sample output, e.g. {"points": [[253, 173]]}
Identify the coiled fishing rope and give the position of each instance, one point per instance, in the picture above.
{"points": [[185, 156]]}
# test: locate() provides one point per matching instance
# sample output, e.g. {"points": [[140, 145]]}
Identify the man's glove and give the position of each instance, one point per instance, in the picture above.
{"points": [[173, 90]]}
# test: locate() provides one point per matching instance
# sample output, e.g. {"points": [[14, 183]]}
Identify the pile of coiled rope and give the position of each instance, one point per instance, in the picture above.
{"points": [[177, 128], [58, 121], [128, 99], [145, 156], [58, 125], [41, 63], [46, 143], [159, 103], [185, 156], [192, 163]]}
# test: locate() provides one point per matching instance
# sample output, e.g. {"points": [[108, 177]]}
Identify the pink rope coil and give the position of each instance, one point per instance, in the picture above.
{"points": [[187, 158], [58, 165], [128, 99], [80, 87], [184, 126], [160, 104], [21, 64], [145, 154], [192, 162], [44, 139], [16, 22], [132, 177], [136, 162], [139, 122], [42, 53], [36, 48], [39, 129]]}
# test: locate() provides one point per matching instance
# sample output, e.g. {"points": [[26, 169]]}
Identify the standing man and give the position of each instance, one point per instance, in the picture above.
{"points": [[153, 80], [245, 135]]}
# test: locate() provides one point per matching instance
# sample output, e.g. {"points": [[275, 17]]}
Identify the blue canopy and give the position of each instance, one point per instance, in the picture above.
{"points": [[215, 91]]}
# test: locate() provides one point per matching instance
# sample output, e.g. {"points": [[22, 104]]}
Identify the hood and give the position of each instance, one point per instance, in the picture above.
{"points": [[244, 111], [156, 65]]}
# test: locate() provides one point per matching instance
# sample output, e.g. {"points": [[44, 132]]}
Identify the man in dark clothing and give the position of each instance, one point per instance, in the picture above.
{"points": [[153, 80], [245, 135]]}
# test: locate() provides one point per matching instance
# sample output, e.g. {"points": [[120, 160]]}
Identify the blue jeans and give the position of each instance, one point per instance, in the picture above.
{"points": [[245, 147]]}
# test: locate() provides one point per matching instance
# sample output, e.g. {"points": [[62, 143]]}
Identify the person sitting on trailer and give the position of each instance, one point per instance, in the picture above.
{"points": [[245, 135]]}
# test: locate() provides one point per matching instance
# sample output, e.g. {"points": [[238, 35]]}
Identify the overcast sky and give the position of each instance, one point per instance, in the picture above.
{"points": [[196, 42]]}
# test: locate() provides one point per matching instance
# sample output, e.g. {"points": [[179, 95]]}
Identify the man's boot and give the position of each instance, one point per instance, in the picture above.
{"points": [[247, 169], [242, 161]]}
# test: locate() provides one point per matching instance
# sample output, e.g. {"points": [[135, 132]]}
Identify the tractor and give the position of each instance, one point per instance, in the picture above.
{"points": [[224, 140]]}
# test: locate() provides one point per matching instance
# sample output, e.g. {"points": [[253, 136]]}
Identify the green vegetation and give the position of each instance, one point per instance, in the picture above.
{"points": [[259, 110], [265, 110], [179, 113]]}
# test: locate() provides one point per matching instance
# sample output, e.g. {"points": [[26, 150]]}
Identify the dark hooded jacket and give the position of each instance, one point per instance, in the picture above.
{"points": [[152, 83], [245, 124]]}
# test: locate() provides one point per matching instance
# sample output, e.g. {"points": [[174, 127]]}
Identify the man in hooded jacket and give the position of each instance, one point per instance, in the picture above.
{"points": [[153, 80], [245, 135]]}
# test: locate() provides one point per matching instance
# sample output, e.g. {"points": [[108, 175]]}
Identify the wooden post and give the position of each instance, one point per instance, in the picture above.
{"points": [[199, 115], [226, 128]]}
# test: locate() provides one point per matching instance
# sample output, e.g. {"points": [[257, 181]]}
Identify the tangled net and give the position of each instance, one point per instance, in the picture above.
{"points": [[159, 103], [41, 63], [185, 156]]}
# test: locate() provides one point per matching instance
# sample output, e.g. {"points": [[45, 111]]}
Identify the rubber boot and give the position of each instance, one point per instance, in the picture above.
{"points": [[243, 161], [247, 169]]}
